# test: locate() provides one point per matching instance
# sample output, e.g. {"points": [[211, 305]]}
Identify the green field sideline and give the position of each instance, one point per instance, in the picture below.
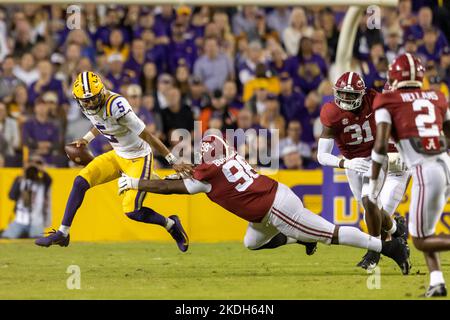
{"points": [[143, 270]]}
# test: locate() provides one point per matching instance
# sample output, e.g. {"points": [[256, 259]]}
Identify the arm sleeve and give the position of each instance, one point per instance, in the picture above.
{"points": [[382, 115], [121, 110], [324, 155], [194, 186]]}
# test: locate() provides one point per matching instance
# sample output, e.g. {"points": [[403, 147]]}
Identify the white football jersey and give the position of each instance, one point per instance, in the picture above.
{"points": [[121, 126]]}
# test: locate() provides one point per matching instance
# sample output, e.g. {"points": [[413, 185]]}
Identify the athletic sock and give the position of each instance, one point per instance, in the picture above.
{"points": [[393, 229], [290, 240], [169, 224], [351, 236], [80, 186], [436, 277], [65, 230]]}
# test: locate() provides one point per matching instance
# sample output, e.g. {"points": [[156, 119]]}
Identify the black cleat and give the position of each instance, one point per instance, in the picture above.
{"points": [[54, 238], [397, 250], [438, 290], [178, 234], [310, 247], [370, 260], [362, 259], [402, 230]]}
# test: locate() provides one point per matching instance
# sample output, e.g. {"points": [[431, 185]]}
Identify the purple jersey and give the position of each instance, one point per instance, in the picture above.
{"points": [[54, 85]]}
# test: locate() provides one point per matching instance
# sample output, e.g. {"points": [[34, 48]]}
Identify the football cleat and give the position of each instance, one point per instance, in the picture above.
{"points": [[310, 247], [397, 251], [54, 238], [178, 234], [370, 260], [438, 290], [402, 230]]}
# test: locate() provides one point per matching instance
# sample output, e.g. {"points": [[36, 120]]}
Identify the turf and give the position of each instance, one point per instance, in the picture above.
{"points": [[144, 270]]}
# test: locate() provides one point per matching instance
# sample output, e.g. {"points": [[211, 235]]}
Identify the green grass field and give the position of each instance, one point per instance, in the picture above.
{"points": [[143, 270]]}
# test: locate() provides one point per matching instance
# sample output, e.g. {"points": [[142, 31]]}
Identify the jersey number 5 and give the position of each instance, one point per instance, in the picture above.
{"points": [[242, 170], [357, 134]]}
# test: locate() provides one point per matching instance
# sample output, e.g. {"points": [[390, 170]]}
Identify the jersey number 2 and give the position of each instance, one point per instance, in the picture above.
{"points": [[422, 120], [357, 135], [242, 170]]}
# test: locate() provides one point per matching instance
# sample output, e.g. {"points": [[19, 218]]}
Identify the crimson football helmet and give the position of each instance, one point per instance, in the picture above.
{"points": [[406, 71], [214, 148], [349, 90]]}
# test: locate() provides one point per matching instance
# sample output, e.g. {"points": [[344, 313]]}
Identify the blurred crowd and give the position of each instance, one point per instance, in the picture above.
{"points": [[231, 68]]}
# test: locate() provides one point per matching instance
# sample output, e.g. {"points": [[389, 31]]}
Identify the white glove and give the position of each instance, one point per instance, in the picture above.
{"points": [[357, 164], [125, 183]]}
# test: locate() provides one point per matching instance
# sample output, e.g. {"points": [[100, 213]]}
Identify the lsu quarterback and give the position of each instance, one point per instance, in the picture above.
{"points": [[113, 117]]}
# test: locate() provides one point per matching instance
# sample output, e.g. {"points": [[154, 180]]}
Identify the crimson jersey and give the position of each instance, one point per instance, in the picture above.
{"points": [[417, 117], [354, 132], [236, 187]]}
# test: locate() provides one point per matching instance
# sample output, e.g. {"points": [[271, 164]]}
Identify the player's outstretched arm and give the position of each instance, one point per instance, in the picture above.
{"points": [[183, 168], [175, 186]]}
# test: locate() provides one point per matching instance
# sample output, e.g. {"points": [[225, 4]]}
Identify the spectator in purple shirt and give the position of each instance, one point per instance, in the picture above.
{"points": [[117, 76], [46, 82], [278, 62], [424, 22], [133, 66], [163, 21], [308, 115], [291, 101], [197, 97], [156, 53], [430, 49], [40, 135], [112, 18], [181, 49], [307, 68]]}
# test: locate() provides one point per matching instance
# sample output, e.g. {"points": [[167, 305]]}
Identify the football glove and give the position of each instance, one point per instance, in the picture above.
{"points": [[125, 183], [357, 164]]}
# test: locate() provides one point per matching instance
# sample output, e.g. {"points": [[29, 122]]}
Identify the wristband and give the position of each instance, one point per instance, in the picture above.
{"points": [[89, 136], [378, 158], [171, 159]]}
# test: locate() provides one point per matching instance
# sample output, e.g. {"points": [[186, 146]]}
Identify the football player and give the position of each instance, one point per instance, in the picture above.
{"points": [[350, 121], [113, 117], [419, 123], [276, 215]]}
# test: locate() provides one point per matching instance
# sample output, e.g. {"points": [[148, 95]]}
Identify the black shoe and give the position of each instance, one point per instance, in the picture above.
{"points": [[54, 238], [178, 234], [397, 250], [362, 259], [370, 260], [402, 230], [310, 247], [438, 290]]}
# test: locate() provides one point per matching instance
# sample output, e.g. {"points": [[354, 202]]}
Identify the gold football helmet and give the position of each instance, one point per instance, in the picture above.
{"points": [[89, 91]]}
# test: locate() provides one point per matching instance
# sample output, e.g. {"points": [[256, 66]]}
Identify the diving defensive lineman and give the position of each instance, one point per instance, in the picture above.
{"points": [[112, 116], [276, 215]]}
